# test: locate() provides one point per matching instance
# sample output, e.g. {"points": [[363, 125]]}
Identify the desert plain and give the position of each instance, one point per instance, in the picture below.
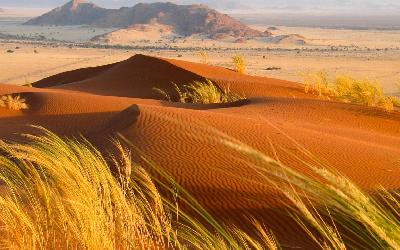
{"points": [[361, 53]]}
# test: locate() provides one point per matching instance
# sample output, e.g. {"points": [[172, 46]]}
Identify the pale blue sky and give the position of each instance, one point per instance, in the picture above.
{"points": [[381, 6]]}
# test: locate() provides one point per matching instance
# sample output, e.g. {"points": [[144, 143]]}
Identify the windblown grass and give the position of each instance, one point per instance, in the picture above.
{"points": [[14, 102], [203, 92], [348, 89], [239, 64], [60, 194], [332, 210]]}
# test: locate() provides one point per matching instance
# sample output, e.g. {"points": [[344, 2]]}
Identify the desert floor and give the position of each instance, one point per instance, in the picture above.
{"points": [[24, 66]]}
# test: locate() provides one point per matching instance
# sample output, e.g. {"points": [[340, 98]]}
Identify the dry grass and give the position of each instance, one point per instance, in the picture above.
{"points": [[317, 83], [350, 90], [332, 210], [203, 92], [14, 102], [239, 64], [204, 58], [60, 194]]}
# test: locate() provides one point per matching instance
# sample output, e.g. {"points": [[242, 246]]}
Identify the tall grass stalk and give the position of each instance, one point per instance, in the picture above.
{"points": [[344, 216], [60, 193], [332, 210]]}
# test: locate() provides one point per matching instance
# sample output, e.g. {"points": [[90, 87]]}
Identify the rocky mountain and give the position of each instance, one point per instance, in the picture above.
{"points": [[185, 20], [76, 12]]}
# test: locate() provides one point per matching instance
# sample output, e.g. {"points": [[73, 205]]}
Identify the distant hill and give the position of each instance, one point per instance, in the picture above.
{"points": [[76, 12], [184, 20]]}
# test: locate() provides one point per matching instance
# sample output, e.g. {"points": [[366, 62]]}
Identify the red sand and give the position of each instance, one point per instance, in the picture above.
{"points": [[360, 142]]}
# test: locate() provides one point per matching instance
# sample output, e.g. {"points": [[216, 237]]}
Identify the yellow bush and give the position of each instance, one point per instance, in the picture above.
{"points": [[13, 102], [350, 90], [317, 83], [203, 92], [239, 64]]}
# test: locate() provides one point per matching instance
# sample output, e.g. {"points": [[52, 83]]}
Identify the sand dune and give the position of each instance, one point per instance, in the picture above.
{"points": [[360, 142]]}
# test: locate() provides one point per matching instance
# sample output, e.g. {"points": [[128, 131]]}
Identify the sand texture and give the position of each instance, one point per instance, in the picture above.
{"points": [[360, 142]]}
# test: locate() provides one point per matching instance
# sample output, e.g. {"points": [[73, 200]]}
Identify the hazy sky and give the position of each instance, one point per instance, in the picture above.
{"points": [[360, 6]]}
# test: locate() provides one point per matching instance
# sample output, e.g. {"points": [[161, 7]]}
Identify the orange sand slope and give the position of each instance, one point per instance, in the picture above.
{"points": [[360, 142]]}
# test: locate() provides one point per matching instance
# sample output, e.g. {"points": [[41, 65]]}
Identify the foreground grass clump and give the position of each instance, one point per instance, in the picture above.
{"points": [[332, 210], [350, 90], [203, 92], [14, 102], [60, 194], [239, 64]]}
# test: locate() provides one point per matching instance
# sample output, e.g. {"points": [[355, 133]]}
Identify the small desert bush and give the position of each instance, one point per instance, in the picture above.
{"points": [[14, 102], [204, 58], [239, 64], [317, 83], [61, 194], [205, 92], [351, 90]]}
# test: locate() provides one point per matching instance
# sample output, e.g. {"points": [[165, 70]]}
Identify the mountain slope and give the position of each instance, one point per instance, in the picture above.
{"points": [[184, 20], [75, 12]]}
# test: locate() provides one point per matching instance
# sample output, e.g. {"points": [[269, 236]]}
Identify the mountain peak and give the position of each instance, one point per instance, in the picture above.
{"points": [[185, 20], [76, 3]]}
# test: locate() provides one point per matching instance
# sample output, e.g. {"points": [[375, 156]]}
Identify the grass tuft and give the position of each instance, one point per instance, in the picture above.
{"points": [[14, 102], [60, 194], [350, 90], [239, 64], [203, 92]]}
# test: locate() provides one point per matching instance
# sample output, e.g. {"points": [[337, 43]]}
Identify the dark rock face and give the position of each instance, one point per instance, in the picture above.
{"points": [[186, 20]]}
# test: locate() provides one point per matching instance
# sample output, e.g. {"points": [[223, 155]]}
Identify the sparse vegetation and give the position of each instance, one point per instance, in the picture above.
{"points": [[27, 83], [61, 194], [14, 102], [317, 83], [239, 64], [203, 92], [332, 210], [204, 57], [350, 90]]}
